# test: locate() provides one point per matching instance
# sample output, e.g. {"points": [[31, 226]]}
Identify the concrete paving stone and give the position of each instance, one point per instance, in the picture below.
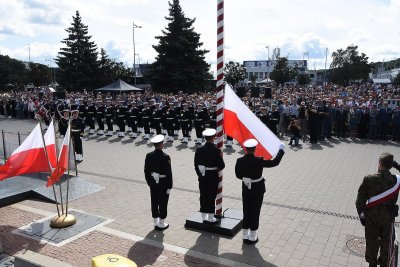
{"points": [[293, 187], [309, 262]]}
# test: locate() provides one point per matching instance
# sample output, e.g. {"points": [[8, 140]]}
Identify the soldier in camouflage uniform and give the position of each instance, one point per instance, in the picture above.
{"points": [[378, 215]]}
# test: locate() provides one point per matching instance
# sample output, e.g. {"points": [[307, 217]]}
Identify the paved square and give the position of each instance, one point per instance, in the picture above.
{"points": [[307, 216]]}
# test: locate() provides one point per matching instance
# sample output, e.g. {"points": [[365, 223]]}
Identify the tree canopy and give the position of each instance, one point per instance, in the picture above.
{"points": [[282, 72], [349, 66], [180, 63], [234, 72], [77, 61]]}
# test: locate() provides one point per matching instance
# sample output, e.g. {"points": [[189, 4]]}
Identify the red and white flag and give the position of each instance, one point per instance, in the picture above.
{"points": [[241, 124], [50, 141], [63, 160], [29, 157]]}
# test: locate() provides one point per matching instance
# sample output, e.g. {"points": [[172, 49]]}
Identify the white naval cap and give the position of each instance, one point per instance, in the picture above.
{"points": [[157, 139], [250, 143], [209, 132]]}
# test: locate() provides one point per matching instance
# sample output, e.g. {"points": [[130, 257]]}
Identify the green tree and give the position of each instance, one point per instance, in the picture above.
{"points": [[396, 80], [12, 71], [180, 63], [282, 72], [234, 72], [78, 59], [39, 74], [303, 79], [349, 65]]}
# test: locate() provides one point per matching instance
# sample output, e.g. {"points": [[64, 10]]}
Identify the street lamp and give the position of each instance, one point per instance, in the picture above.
{"points": [[134, 50]]}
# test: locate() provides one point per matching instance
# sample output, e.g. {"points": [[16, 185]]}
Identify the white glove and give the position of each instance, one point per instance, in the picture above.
{"points": [[282, 146], [156, 177], [168, 191], [202, 169], [247, 182]]}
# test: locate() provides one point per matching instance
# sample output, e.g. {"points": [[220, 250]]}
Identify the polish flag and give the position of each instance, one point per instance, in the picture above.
{"points": [[242, 124], [63, 159], [29, 157], [50, 141]]}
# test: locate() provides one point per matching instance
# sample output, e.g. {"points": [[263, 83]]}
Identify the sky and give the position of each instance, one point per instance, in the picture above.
{"points": [[296, 26]]}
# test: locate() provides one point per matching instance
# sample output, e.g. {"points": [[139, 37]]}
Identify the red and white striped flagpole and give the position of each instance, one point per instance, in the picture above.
{"points": [[220, 95]]}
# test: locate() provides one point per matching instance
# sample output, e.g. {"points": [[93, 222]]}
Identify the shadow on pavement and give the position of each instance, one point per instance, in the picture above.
{"points": [[250, 254], [13, 243], [206, 243], [146, 255]]}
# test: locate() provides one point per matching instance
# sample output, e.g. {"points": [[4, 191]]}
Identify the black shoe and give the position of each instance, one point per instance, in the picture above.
{"points": [[249, 242], [157, 228]]}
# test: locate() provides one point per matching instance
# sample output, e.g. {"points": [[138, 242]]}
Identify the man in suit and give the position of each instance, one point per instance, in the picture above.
{"points": [[158, 174], [341, 120], [384, 118]]}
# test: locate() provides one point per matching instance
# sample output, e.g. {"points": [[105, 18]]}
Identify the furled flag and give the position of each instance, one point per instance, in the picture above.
{"points": [[50, 141], [29, 157], [63, 159], [241, 124]]}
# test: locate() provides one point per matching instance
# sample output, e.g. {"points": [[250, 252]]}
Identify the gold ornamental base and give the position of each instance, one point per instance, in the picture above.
{"points": [[63, 221]]}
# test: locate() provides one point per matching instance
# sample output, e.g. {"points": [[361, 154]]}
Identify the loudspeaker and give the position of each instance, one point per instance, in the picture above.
{"points": [[59, 95], [241, 91], [255, 91], [268, 92]]}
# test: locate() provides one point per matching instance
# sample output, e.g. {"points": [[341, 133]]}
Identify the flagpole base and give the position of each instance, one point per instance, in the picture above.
{"points": [[63, 221]]}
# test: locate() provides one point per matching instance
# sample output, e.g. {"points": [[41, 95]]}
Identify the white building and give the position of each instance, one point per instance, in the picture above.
{"points": [[262, 68]]}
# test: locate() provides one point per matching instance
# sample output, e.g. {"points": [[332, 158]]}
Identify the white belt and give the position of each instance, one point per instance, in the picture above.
{"points": [[203, 169], [157, 176], [248, 181]]}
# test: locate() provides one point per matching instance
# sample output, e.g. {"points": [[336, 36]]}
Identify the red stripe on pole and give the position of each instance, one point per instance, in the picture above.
{"points": [[220, 94]]}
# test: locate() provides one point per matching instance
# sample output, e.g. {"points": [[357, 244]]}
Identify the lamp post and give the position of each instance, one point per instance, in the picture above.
{"points": [[134, 50]]}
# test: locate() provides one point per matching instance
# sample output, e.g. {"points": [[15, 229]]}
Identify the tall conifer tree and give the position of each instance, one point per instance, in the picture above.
{"points": [[78, 59], [180, 64]]}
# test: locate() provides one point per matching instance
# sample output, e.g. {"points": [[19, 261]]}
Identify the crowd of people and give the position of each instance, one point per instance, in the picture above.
{"points": [[308, 113]]}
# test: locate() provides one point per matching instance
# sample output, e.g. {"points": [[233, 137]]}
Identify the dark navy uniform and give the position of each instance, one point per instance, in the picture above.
{"points": [[91, 114], [200, 118], [170, 116], [77, 129], [250, 166], [157, 120], [160, 163], [100, 116], [121, 115], [210, 157], [109, 118], [185, 120]]}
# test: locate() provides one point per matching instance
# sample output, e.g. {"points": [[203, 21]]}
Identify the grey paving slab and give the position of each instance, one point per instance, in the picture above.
{"points": [[308, 205], [43, 231]]}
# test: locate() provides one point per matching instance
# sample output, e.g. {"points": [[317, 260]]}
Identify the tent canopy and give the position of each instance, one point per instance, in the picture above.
{"points": [[386, 81], [118, 86]]}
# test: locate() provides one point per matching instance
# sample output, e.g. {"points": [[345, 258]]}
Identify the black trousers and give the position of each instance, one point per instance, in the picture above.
{"points": [[208, 193], [121, 124], [185, 128], [169, 125], [100, 122], [157, 125], [159, 200], [146, 126], [77, 142], [109, 124], [199, 129], [133, 124], [383, 131], [252, 202], [90, 122]]}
